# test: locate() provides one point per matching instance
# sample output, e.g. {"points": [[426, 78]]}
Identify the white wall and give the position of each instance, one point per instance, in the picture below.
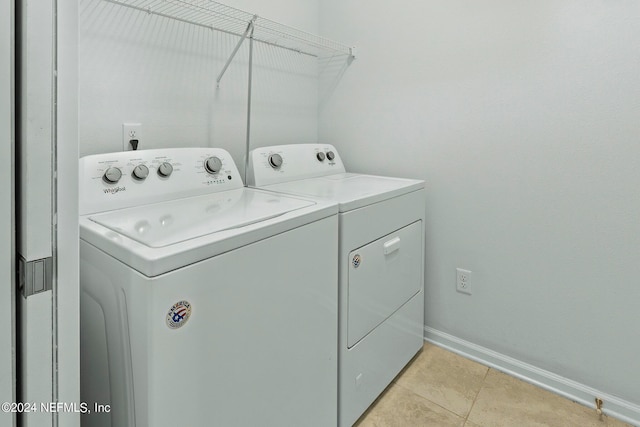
{"points": [[136, 67], [524, 119]]}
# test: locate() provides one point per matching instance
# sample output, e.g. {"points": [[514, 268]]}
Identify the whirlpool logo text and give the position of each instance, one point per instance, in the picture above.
{"points": [[114, 190]]}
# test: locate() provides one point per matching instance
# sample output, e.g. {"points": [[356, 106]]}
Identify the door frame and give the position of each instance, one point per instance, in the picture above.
{"points": [[7, 216], [67, 282], [46, 109]]}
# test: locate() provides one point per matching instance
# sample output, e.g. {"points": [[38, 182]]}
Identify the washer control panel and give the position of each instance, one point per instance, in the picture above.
{"points": [[282, 163], [131, 178]]}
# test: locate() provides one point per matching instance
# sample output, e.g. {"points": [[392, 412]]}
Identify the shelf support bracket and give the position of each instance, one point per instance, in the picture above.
{"points": [[249, 29], [248, 143]]}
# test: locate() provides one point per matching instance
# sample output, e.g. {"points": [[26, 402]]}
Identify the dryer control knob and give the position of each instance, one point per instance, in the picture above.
{"points": [[320, 156], [112, 175], [213, 165], [140, 172], [275, 160], [165, 169], [331, 155]]}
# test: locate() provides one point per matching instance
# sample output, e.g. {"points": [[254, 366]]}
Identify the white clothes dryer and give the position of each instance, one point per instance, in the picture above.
{"points": [[202, 303], [381, 262]]}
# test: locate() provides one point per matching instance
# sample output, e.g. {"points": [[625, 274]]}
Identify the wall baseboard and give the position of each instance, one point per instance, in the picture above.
{"points": [[583, 394]]}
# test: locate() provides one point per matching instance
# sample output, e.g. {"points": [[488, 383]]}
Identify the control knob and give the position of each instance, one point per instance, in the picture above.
{"points": [[331, 155], [275, 160], [320, 156], [165, 169], [213, 165], [112, 175], [140, 172]]}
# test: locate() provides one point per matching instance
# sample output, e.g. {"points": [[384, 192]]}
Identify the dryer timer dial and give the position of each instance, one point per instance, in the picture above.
{"points": [[213, 165], [275, 161]]}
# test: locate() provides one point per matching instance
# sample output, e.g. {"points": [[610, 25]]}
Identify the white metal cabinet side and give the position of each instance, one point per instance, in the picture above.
{"points": [[7, 220]]}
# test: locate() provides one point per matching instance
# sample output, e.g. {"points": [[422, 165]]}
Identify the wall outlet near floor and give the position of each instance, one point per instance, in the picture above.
{"points": [[463, 281], [131, 136]]}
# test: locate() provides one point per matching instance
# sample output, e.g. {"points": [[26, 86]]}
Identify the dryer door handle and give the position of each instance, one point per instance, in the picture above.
{"points": [[391, 245]]}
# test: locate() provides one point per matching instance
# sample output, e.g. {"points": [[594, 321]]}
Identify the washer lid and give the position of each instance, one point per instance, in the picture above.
{"points": [[163, 224], [350, 190]]}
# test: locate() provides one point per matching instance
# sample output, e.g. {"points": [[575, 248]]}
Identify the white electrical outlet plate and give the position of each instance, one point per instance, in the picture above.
{"points": [[131, 131], [463, 281]]}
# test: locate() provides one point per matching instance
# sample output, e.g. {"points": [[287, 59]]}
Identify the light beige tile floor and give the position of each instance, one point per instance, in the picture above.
{"points": [[441, 389]]}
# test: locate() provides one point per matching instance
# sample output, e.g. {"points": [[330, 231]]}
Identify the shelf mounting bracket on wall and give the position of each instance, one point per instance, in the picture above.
{"points": [[249, 30]]}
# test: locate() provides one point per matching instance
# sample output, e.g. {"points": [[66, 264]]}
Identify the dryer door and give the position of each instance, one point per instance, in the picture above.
{"points": [[383, 275]]}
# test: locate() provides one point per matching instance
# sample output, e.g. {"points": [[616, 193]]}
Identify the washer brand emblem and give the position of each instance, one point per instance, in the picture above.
{"points": [[178, 314], [357, 259], [114, 190]]}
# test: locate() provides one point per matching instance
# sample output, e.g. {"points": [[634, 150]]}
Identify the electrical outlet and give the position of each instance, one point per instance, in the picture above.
{"points": [[131, 131], [463, 281]]}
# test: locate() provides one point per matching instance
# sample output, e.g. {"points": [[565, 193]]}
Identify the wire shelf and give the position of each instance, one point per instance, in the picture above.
{"points": [[220, 17]]}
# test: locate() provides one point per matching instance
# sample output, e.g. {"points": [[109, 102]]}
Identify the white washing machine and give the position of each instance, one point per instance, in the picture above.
{"points": [[202, 301], [381, 262]]}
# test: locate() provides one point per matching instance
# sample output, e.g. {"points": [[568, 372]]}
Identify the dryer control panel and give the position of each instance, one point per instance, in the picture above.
{"points": [[283, 163], [132, 178]]}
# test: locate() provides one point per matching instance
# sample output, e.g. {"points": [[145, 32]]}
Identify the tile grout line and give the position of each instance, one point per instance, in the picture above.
{"points": [[484, 379], [430, 401]]}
